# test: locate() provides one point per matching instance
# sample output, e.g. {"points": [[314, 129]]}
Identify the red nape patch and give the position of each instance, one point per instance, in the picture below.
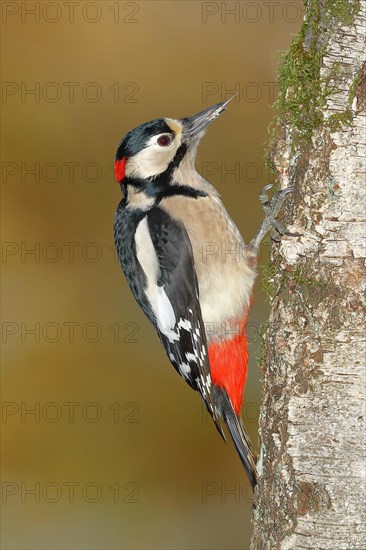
{"points": [[229, 367], [119, 169]]}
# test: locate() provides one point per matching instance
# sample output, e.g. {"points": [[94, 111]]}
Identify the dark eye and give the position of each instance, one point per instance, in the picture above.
{"points": [[164, 140]]}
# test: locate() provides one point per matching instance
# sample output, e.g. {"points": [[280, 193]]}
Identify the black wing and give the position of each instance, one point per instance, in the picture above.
{"points": [[185, 339]]}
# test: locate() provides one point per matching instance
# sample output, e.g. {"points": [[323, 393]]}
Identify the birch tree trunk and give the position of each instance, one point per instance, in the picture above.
{"points": [[311, 492]]}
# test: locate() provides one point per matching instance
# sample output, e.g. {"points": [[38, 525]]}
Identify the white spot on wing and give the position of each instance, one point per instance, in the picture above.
{"points": [[184, 323], [204, 384], [194, 357], [184, 369]]}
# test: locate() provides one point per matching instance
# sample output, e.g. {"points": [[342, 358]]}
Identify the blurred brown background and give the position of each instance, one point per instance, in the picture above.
{"points": [[103, 445]]}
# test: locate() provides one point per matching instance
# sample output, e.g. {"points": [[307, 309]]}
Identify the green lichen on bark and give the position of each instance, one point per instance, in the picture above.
{"points": [[302, 90], [343, 11], [303, 93], [337, 120]]}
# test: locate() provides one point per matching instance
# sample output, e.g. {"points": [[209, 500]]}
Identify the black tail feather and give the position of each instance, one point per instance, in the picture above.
{"points": [[239, 436]]}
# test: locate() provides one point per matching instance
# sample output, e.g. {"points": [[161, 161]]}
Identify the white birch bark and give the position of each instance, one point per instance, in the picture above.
{"points": [[311, 492]]}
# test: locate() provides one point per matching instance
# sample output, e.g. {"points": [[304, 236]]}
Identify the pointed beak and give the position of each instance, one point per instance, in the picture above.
{"points": [[197, 124]]}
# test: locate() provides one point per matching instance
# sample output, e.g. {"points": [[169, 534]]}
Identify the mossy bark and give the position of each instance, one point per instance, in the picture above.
{"points": [[312, 467]]}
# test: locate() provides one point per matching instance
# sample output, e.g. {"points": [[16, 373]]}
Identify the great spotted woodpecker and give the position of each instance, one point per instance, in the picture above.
{"points": [[167, 221]]}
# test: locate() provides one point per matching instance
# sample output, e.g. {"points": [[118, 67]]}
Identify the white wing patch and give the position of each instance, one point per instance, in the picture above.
{"points": [[159, 301], [165, 314], [190, 363], [147, 258]]}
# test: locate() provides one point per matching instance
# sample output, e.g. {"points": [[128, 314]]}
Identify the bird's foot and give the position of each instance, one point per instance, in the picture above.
{"points": [[270, 224]]}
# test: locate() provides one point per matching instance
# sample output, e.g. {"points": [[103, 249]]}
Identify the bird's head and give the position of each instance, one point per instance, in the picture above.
{"points": [[151, 152]]}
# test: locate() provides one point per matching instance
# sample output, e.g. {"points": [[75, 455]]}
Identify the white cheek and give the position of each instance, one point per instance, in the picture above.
{"points": [[151, 161]]}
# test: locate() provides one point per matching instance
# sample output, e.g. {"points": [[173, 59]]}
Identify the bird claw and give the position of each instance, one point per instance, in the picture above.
{"points": [[272, 208], [263, 195]]}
